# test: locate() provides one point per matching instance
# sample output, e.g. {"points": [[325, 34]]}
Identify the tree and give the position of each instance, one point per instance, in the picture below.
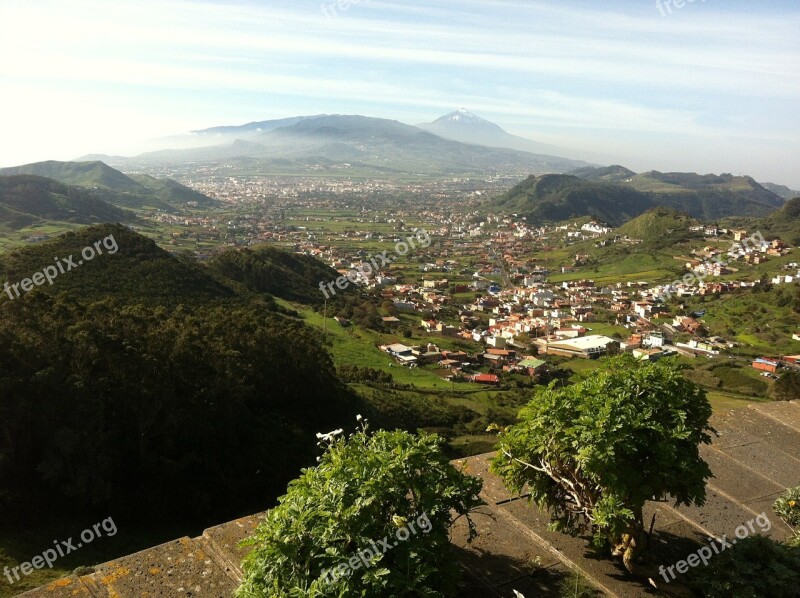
{"points": [[365, 488], [595, 452], [787, 387]]}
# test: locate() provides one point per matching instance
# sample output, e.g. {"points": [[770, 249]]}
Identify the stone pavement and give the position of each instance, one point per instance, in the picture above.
{"points": [[754, 459]]}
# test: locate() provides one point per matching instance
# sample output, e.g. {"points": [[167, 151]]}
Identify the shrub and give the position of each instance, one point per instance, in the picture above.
{"points": [[788, 506], [754, 568], [366, 488]]}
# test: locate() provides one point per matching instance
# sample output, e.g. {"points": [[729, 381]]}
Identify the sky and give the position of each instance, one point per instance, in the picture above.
{"points": [[706, 86]]}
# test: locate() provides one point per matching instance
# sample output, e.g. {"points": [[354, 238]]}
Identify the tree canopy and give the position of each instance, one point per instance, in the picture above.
{"points": [[596, 451]]}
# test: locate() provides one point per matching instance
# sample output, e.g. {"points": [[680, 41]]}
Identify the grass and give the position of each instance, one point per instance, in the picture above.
{"points": [[725, 401], [355, 346]]}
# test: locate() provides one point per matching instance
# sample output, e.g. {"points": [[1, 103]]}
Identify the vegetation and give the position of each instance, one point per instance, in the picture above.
{"points": [[271, 270], [596, 451], [784, 223], [753, 568], [114, 187], [552, 198], [367, 487], [788, 507], [608, 196], [25, 200], [787, 387], [167, 375]]}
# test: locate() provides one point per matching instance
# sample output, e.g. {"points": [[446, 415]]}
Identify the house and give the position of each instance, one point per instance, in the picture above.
{"points": [[397, 350], [498, 342], [587, 347], [690, 325], [654, 340], [739, 234], [765, 365], [649, 354], [535, 367], [390, 321], [486, 379]]}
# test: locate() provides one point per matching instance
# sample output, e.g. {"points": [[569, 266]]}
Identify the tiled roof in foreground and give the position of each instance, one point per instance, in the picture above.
{"points": [[754, 459]]}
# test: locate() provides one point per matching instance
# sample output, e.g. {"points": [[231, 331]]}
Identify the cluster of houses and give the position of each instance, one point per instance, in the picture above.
{"points": [[465, 366]]}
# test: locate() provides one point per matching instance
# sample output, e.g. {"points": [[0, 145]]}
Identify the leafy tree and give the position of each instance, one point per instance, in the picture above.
{"points": [[365, 488], [595, 452], [787, 387], [755, 567]]}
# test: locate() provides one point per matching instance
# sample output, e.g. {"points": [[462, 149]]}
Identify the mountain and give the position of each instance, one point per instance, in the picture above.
{"points": [[781, 190], [658, 226], [677, 183], [115, 187], [551, 198], [604, 174], [356, 143], [28, 199], [466, 127], [252, 128], [784, 223]]}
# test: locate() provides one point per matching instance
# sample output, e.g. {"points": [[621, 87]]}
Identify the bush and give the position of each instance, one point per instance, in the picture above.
{"points": [[754, 568], [365, 488], [788, 506]]}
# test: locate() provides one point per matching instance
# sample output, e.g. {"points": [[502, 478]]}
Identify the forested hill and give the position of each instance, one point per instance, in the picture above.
{"points": [[149, 387], [605, 194], [113, 186], [271, 270], [28, 199], [138, 271]]}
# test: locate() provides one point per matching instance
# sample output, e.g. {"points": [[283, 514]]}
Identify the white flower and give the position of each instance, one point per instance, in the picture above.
{"points": [[518, 595], [330, 435], [359, 418]]}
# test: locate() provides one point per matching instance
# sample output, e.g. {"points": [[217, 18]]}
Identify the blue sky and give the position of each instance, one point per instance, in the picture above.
{"points": [[712, 86]]}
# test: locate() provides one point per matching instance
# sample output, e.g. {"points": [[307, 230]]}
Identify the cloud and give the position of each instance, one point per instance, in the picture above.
{"points": [[571, 67]]}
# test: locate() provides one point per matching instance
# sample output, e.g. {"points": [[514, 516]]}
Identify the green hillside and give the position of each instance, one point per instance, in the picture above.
{"points": [[267, 269], [172, 191], [81, 174], [605, 174], [27, 199], [554, 198], [785, 223], [781, 190], [139, 379], [659, 226], [138, 271], [114, 187]]}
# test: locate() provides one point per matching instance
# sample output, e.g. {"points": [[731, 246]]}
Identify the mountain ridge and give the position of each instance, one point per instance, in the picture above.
{"points": [[29, 199], [552, 198], [121, 190], [378, 145]]}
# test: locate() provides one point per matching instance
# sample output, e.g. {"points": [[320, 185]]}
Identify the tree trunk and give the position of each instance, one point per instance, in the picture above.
{"points": [[632, 543]]}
